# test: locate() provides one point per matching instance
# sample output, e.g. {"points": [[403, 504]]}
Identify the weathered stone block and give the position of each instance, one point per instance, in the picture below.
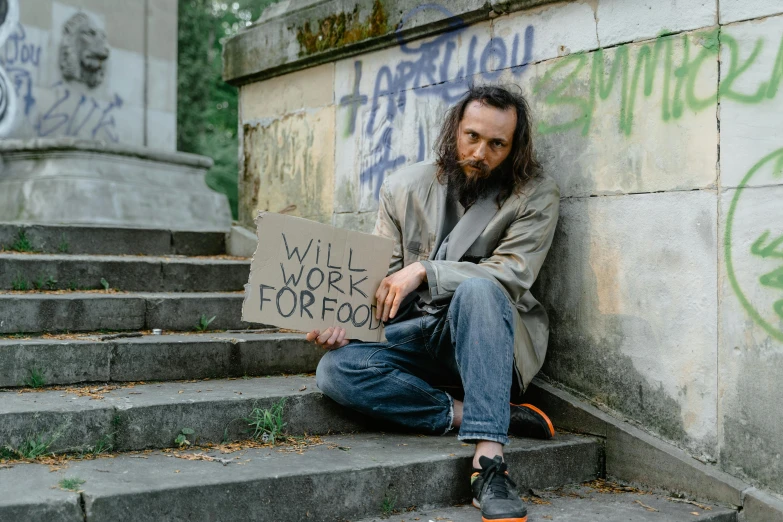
{"points": [[750, 125], [359, 221], [751, 327], [162, 85], [621, 21], [162, 31], [545, 33], [289, 161], [606, 123], [631, 288], [108, 185], [123, 65], [162, 130], [306, 89], [736, 10]]}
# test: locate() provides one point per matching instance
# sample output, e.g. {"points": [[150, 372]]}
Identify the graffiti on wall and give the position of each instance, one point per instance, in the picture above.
{"points": [[572, 88], [430, 65], [67, 110], [9, 17], [559, 86]]}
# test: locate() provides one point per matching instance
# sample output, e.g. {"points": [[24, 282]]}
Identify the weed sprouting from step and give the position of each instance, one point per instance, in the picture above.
{"points": [[105, 284], [51, 283], [267, 424], [72, 286], [387, 506], [104, 445], [71, 484], [22, 244], [38, 284], [64, 246], [35, 378], [182, 439], [203, 322], [34, 447], [19, 283]]}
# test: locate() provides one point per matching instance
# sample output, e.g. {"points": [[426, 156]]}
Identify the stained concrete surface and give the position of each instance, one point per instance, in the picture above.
{"points": [[343, 477]]}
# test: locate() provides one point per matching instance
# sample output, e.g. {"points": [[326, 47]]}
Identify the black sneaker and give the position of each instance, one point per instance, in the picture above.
{"points": [[529, 421], [495, 494]]}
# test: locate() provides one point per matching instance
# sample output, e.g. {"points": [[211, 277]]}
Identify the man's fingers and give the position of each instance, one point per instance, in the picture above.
{"points": [[334, 336], [380, 298], [387, 304], [395, 306], [340, 338], [325, 336], [312, 336]]}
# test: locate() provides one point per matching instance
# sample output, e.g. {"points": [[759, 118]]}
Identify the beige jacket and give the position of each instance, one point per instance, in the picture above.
{"points": [[509, 250]]}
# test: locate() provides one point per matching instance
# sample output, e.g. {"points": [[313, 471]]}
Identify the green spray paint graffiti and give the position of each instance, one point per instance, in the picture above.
{"points": [[762, 248], [565, 84]]}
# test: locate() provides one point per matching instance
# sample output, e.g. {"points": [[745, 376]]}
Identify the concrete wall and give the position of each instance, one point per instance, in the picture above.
{"points": [[136, 102], [665, 282]]}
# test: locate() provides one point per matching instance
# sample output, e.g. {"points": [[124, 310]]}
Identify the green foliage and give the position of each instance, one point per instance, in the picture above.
{"points": [[33, 447], [267, 423], [64, 246], [182, 439], [22, 244], [105, 284], [203, 322], [104, 445], [71, 484], [207, 107], [387, 506], [38, 284], [35, 378], [19, 283], [51, 283]]}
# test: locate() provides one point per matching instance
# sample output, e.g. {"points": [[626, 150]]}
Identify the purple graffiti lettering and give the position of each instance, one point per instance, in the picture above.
{"points": [[57, 119], [107, 123], [375, 173], [23, 85], [427, 64]]}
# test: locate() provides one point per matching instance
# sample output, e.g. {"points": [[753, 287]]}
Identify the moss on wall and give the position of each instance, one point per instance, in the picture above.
{"points": [[341, 29]]}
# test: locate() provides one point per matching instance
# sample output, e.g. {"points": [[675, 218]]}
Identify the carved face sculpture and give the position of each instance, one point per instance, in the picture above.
{"points": [[83, 51]]}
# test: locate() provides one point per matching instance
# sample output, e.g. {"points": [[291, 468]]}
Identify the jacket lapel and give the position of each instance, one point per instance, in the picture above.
{"points": [[470, 227], [440, 202]]}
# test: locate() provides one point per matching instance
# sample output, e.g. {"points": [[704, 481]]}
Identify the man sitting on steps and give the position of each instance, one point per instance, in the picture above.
{"points": [[471, 231]]}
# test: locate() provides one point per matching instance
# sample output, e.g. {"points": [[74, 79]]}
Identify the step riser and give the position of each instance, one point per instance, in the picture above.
{"points": [[114, 241], [19, 272], [94, 312], [81, 361], [157, 426], [342, 495]]}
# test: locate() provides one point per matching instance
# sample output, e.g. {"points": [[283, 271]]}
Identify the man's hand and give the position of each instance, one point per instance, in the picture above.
{"points": [[332, 338], [396, 287]]}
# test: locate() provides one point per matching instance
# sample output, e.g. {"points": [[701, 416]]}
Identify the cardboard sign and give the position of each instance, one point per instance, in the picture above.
{"points": [[309, 276]]}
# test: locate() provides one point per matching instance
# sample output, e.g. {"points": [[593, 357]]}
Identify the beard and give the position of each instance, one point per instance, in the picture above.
{"points": [[469, 189]]}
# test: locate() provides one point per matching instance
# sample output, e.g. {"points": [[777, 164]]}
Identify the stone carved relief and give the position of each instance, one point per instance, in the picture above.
{"points": [[9, 17], [83, 51]]}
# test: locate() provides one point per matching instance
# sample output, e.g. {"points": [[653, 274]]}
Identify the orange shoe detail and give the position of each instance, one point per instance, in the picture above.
{"points": [[523, 519], [544, 415]]}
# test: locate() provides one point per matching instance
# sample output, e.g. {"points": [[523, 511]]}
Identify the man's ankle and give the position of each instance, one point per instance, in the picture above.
{"points": [[486, 448]]}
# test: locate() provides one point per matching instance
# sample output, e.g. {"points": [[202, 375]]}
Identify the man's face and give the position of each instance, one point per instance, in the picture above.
{"points": [[484, 138]]}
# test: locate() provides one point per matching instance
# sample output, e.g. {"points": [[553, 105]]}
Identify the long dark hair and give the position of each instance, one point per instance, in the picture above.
{"points": [[520, 165]]}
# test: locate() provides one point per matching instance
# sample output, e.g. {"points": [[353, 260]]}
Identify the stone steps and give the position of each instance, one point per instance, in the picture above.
{"points": [[577, 503], [344, 477], [87, 358], [74, 239], [145, 416], [90, 312], [124, 273]]}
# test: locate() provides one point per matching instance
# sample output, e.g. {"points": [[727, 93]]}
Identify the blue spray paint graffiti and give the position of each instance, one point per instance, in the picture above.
{"points": [[71, 113], [429, 65]]}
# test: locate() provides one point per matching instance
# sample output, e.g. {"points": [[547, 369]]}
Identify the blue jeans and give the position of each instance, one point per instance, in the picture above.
{"points": [[471, 345]]}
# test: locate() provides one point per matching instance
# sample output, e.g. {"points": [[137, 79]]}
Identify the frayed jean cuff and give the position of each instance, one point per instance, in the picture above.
{"points": [[478, 437]]}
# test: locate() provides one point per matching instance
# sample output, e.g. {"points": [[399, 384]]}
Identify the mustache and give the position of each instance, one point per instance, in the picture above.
{"points": [[482, 167]]}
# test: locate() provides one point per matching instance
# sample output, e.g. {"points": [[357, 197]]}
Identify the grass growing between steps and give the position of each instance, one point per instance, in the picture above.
{"points": [[267, 424]]}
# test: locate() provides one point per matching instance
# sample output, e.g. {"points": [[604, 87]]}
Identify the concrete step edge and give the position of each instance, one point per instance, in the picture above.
{"points": [[83, 239], [343, 477], [85, 312], [22, 272], [152, 415], [47, 362]]}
